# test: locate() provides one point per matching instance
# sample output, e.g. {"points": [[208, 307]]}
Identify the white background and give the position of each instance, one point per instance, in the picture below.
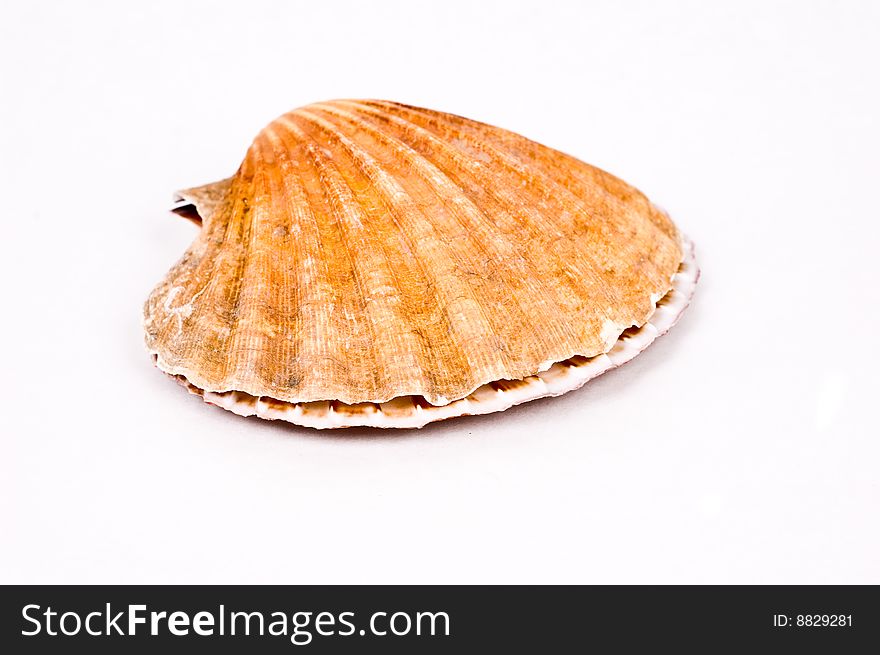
{"points": [[742, 447]]}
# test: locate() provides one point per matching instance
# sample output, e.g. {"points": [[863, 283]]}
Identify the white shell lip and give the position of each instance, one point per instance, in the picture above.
{"points": [[415, 412]]}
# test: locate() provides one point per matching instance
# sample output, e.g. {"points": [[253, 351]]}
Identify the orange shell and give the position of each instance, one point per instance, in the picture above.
{"points": [[369, 250]]}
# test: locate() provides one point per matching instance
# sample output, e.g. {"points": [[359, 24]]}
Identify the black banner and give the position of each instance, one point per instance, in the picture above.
{"points": [[114, 619]]}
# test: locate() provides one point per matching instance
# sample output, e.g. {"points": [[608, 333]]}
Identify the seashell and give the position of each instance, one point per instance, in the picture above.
{"points": [[373, 263]]}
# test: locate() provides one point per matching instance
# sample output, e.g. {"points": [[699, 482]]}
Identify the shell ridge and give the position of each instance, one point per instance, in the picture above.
{"points": [[516, 160], [282, 351], [418, 163], [466, 193], [202, 344], [371, 169], [467, 290], [518, 199], [329, 329], [513, 159], [457, 158], [326, 169], [312, 148], [463, 126], [240, 347], [414, 339], [600, 180], [310, 284]]}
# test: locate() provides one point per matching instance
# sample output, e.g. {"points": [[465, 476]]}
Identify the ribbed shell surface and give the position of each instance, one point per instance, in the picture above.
{"points": [[367, 250]]}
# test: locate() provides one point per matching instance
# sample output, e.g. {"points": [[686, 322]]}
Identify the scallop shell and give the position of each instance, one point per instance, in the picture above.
{"points": [[373, 263]]}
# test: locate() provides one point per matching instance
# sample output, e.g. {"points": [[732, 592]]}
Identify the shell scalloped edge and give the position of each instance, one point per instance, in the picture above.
{"points": [[415, 412]]}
